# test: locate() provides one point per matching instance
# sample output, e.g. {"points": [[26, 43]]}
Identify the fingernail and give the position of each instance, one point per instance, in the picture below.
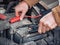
{"points": [[21, 19], [39, 31]]}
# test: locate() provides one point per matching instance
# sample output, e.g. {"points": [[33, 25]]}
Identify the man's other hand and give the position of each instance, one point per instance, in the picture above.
{"points": [[47, 23]]}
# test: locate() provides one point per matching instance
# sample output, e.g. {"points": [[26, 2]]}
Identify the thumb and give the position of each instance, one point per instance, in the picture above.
{"points": [[22, 15]]}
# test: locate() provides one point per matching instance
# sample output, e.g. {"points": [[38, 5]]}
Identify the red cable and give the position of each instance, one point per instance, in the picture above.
{"points": [[15, 19], [33, 16], [2, 16]]}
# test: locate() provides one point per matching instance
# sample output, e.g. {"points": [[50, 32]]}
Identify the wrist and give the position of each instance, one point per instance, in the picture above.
{"points": [[56, 14], [25, 4]]}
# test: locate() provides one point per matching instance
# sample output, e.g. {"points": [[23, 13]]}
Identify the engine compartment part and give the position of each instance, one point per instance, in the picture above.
{"points": [[34, 37], [41, 42], [4, 25], [4, 41], [30, 43], [25, 32]]}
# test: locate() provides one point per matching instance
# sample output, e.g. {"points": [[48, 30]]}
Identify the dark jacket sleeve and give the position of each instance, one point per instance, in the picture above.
{"points": [[31, 2], [56, 13]]}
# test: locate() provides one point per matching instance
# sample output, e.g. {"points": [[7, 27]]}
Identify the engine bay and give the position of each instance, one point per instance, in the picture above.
{"points": [[13, 31]]}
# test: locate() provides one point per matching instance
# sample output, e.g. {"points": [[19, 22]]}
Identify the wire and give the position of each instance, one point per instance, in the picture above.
{"points": [[33, 16]]}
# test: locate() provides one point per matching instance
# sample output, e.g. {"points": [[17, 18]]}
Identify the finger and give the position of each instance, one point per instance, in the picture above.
{"points": [[22, 15], [40, 27], [47, 28], [17, 13], [44, 28], [53, 25], [46, 23]]}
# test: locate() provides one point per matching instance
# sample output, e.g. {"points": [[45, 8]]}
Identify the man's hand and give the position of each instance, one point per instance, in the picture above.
{"points": [[47, 23], [21, 8]]}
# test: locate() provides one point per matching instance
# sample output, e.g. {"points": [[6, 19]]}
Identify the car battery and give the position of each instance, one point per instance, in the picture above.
{"points": [[22, 35], [19, 28], [22, 29]]}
